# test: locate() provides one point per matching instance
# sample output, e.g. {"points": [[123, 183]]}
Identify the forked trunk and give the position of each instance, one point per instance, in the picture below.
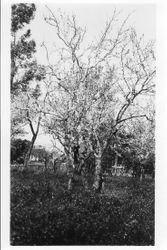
{"points": [[27, 157]]}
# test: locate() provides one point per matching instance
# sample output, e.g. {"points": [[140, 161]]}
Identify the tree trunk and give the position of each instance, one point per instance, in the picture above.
{"points": [[98, 174], [55, 166], [71, 178], [116, 160], [46, 162], [70, 183], [141, 174], [70, 172], [84, 175], [27, 157], [85, 182], [34, 136]]}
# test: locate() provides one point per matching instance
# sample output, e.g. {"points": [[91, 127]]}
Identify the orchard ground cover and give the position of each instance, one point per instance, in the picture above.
{"points": [[44, 212]]}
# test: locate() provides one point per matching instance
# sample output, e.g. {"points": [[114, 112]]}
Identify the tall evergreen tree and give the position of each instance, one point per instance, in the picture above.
{"points": [[24, 67]]}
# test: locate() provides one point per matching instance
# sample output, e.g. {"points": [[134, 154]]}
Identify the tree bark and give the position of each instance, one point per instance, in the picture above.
{"points": [[55, 166], [84, 175], [98, 174], [116, 160], [141, 173], [46, 161], [70, 172]]}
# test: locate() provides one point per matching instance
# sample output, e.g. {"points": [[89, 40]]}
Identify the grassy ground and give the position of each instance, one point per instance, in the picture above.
{"points": [[43, 212]]}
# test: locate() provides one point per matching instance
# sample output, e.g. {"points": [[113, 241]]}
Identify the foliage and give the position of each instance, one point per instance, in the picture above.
{"points": [[149, 164], [24, 67], [19, 149], [21, 14], [43, 212], [22, 49]]}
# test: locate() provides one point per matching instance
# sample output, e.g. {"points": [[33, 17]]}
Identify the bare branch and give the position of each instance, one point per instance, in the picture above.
{"points": [[131, 117]]}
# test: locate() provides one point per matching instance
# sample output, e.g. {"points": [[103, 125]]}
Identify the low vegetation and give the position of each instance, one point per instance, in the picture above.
{"points": [[44, 212]]}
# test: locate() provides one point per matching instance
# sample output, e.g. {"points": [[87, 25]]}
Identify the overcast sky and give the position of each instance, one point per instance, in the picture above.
{"points": [[94, 17]]}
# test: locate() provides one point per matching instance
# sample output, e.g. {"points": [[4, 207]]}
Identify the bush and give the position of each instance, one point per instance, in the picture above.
{"points": [[19, 149]]}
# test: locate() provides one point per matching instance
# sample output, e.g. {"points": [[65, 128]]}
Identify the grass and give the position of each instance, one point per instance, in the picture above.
{"points": [[43, 212]]}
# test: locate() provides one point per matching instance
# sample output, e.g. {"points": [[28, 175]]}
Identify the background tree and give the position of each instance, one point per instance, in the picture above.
{"points": [[143, 144], [22, 50], [23, 65], [26, 75], [19, 149], [29, 108]]}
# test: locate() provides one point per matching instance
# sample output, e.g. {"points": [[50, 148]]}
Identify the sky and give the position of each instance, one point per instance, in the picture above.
{"points": [[94, 17]]}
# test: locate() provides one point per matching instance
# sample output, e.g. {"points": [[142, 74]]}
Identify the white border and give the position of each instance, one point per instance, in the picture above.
{"points": [[161, 122]]}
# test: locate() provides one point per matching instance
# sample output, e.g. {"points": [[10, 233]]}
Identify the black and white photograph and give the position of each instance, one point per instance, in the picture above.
{"points": [[82, 149]]}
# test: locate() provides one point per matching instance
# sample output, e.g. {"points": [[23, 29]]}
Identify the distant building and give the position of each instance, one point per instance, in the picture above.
{"points": [[34, 158], [118, 170]]}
